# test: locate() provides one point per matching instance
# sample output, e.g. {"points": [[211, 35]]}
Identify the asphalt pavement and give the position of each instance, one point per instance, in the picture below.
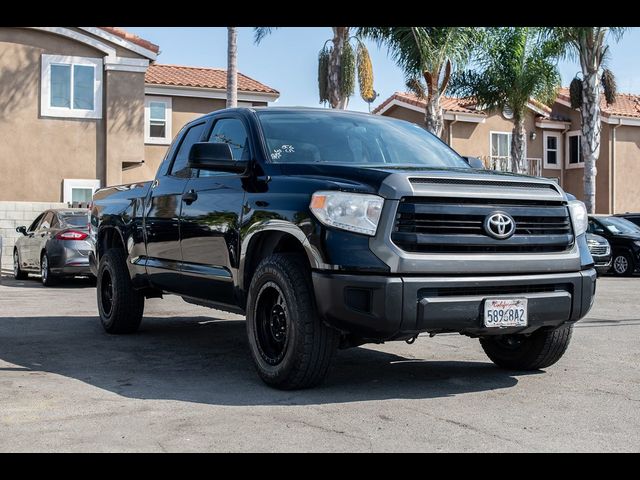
{"points": [[185, 382]]}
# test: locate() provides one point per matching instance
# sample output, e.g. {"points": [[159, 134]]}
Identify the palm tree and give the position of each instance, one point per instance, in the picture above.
{"points": [[427, 55], [337, 67], [514, 65], [589, 44], [232, 67]]}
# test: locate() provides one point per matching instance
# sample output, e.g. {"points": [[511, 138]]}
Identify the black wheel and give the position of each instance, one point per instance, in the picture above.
{"points": [[48, 278], [623, 264], [119, 304], [291, 347], [541, 349], [18, 274]]}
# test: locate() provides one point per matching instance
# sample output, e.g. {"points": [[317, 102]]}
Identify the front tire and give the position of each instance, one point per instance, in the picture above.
{"points": [[18, 274], [290, 345], [623, 264], [119, 304], [539, 350]]}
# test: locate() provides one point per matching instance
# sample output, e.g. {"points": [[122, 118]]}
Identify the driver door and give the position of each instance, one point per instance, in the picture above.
{"points": [[28, 244]]}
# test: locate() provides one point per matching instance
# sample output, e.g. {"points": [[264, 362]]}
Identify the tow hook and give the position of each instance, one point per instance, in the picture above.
{"points": [[411, 340]]}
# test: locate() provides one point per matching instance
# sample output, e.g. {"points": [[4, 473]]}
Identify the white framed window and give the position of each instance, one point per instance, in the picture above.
{"points": [[157, 120], [71, 87], [500, 148], [574, 150], [79, 190], [552, 150]]}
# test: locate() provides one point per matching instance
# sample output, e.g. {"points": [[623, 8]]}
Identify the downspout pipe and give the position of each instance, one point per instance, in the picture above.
{"points": [[612, 167], [453, 122], [563, 133]]}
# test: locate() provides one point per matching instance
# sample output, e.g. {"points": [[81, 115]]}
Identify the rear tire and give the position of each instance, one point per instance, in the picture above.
{"points": [[291, 347], [119, 304], [48, 278], [18, 274], [623, 264], [539, 350]]}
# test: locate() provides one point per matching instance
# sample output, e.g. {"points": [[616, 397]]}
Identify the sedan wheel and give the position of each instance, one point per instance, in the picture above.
{"points": [[18, 274], [48, 278], [623, 265]]}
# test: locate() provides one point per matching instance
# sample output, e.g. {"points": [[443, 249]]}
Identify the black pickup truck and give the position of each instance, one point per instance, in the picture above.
{"points": [[332, 229]]}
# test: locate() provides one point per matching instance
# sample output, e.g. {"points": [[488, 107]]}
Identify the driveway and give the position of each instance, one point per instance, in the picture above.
{"points": [[185, 382]]}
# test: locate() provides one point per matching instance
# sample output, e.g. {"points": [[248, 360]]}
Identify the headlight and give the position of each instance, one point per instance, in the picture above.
{"points": [[579, 217], [355, 212]]}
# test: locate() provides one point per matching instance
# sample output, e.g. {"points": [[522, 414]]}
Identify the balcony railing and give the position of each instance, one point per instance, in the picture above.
{"points": [[534, 165]]}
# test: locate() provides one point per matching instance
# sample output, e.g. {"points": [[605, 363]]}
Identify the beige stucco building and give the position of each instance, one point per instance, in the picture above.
{"points": [[552, 143], [85, 107]]}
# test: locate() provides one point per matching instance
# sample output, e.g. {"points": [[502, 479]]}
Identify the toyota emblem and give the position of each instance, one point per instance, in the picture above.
{"points": [[499, 225]]}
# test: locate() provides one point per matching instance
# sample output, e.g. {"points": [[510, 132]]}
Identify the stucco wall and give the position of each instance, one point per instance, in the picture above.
{"points": [[37, 153], [184, 109], [573, 178], [627, 169], [124, 122]]}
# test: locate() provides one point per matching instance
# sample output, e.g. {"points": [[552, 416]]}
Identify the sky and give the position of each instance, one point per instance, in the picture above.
{"points": [[287, 60]]}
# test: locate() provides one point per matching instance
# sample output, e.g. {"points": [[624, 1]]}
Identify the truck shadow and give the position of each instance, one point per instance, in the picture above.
{"points": [[204, 360]]}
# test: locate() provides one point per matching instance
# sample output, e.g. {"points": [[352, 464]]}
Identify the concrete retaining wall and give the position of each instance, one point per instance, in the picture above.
{"points": [[12, 215]]}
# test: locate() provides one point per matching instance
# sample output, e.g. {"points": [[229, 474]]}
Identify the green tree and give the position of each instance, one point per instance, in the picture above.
{"points": [[513, 65], [589, 45], [427, 56], [339, 63]]}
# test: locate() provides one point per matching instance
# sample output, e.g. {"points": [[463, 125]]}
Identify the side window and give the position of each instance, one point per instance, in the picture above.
{"points": [[55, 223], [34, 225], [232, 132], [46, 221], [193, 135]]}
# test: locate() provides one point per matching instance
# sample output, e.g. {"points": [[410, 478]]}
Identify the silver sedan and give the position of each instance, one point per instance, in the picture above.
{"points": [[57, 244]]}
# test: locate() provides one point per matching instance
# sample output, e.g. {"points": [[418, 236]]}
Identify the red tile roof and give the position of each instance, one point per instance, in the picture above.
{"points": [[449, 104], [141, 42], [201, 77], [626, 104]]}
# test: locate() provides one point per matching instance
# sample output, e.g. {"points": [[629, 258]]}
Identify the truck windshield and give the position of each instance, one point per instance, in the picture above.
{"points": [[337, 138]]}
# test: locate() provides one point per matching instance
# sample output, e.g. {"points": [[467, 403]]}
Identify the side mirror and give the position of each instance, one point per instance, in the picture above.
{"points": [[22, 230], [475, 162], [216, 157]]}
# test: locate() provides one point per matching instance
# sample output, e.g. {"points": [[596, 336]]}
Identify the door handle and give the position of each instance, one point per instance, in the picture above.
{"points": [[190, 197]]}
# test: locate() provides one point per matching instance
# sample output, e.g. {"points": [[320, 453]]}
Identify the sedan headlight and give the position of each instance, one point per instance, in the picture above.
{"points": [[355, 212], [579, 217]]}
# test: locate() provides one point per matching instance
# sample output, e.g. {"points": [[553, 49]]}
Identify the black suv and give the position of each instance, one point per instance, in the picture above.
{"points": [[624, 238]]}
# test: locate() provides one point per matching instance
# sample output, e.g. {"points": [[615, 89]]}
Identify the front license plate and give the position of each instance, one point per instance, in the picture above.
{"points": [[505, 312]]}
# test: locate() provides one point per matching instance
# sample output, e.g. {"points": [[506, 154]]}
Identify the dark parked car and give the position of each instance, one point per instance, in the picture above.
{"points": [[56, 244], [624, 238], [632, 217], [331, 229], [600, 251]]}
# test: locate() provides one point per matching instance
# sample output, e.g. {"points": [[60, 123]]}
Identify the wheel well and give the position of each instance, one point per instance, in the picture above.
{"points": [[107, 239], [264, 244]]}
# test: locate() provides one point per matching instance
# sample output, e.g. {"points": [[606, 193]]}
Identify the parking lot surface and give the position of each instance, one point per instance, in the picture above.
{"points": [[185, 382]]}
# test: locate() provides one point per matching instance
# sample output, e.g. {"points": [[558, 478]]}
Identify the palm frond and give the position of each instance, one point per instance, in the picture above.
{"points": [[260, 32]]}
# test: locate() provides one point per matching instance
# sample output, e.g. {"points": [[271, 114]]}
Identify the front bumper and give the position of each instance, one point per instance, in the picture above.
{"points": [[602, 264], [381, 308]]}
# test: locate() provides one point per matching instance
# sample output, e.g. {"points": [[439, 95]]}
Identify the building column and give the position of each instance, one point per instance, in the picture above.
{"points": [[124, 122]]}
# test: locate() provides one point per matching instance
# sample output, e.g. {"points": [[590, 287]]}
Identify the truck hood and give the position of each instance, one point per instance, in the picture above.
{"points": [[388, 181], [373, 176]]}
